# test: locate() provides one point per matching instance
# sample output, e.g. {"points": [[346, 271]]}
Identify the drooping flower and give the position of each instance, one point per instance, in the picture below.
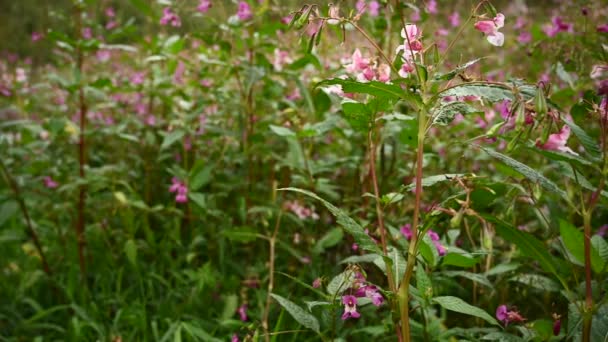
{"points": [[180, 189], [244, 11], [170, 18], [507, 316], [371, 292], [557, 141], [242, 311], [557, 25], [490, 29], [316, 283], [350, 307], [557, 327], [204, 6]]}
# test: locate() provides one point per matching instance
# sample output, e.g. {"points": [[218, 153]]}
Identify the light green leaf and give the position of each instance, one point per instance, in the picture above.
{"points": [[450, 75], [198, 198], [432, 180], [350, 225], [447, 111], [131, 251], [171, 138], [490, 92], [585, 139], [357, 114], [8, 209], [330, 239], [478, 278], [341, 282], [299, 314], [459, 260], [458, 305], [282, 131], [375, 88]]}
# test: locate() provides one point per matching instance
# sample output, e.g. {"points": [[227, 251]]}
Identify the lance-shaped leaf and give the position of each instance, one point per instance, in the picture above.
{"points": [[447, 111], [575, 241], [350, 225], [458, 305], [456, 71], [374, 88], [358, 115], [526, 171], [299, 314]]}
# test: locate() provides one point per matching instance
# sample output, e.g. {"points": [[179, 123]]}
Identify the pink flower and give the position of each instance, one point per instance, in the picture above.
{"points": [[242, 311], [557, 25], [602, 230], [235, 338], [87, 33], [524, 37], [490, 29], [280, 59], [431, 7], [557, 141], [501, 313], [113, 24], [557, 326], [415, 16], [179, 73], [36, 36], [170, 18], [244, 11], [602, 28], [49, 182], [138, 78], [358, 63], [454, 19], [110, 12], [316, 283], [350, 307], [374, 8], [204, 6]]}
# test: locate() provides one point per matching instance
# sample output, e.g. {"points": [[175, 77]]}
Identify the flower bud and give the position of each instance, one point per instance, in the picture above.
{"points": [[540, 103]]}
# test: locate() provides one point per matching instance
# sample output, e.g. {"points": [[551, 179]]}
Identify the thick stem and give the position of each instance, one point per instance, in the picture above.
{"points": [[81, 150], [413, 248], [30, 228]]}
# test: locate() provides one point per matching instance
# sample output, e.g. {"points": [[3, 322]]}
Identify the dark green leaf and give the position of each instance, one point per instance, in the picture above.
{"points": [[458, 305]]}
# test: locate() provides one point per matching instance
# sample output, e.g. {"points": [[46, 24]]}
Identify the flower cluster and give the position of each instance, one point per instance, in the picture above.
{"points": [[244, 11], [361, 289], [411, 47], [180, 189], [490, 29], [406, 230], [507, 316], [301, 211], [170, 18], [365, 69]]}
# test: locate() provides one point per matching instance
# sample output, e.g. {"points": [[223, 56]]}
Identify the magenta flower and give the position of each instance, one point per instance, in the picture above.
{"points": [[235, 338], [602, 28], [507, 316], [244, 11], [374, 8], [490, 29], [87, 33], [406, 230], [49, 182], [242, 311], [602, 230], [557, 141], [557, 326], [204, 6], [350, 307], [170, 18], [524, 37], [180, 189], [371, 292], [36, 36], [316, 283], [110, 12]]}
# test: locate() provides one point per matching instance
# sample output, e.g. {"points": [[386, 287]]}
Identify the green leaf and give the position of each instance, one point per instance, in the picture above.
{"points": [[341, 282], [171, 138], [601, 246], [490, 92], [450, 75], [478, 278], [561, 156], [564, 75], [375, 88], [299, 314], [526, 171], [200, 177], [587, 141], [458, 305], [574, 241], [282, 131], [131, 251], [330, 239], [459, 260], [350, 225], [240, 234], [423, 282], [527, 243], [357, 114], [8, 209], [445, 113], [198, 199], [432, 180], [537, 281], [198, 333]]}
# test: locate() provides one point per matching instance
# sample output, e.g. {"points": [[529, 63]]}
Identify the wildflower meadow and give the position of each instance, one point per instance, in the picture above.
{"points": [[362, 170]]}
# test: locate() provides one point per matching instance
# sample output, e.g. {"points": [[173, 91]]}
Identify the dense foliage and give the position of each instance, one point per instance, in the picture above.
{"points": [[266, 171]]}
